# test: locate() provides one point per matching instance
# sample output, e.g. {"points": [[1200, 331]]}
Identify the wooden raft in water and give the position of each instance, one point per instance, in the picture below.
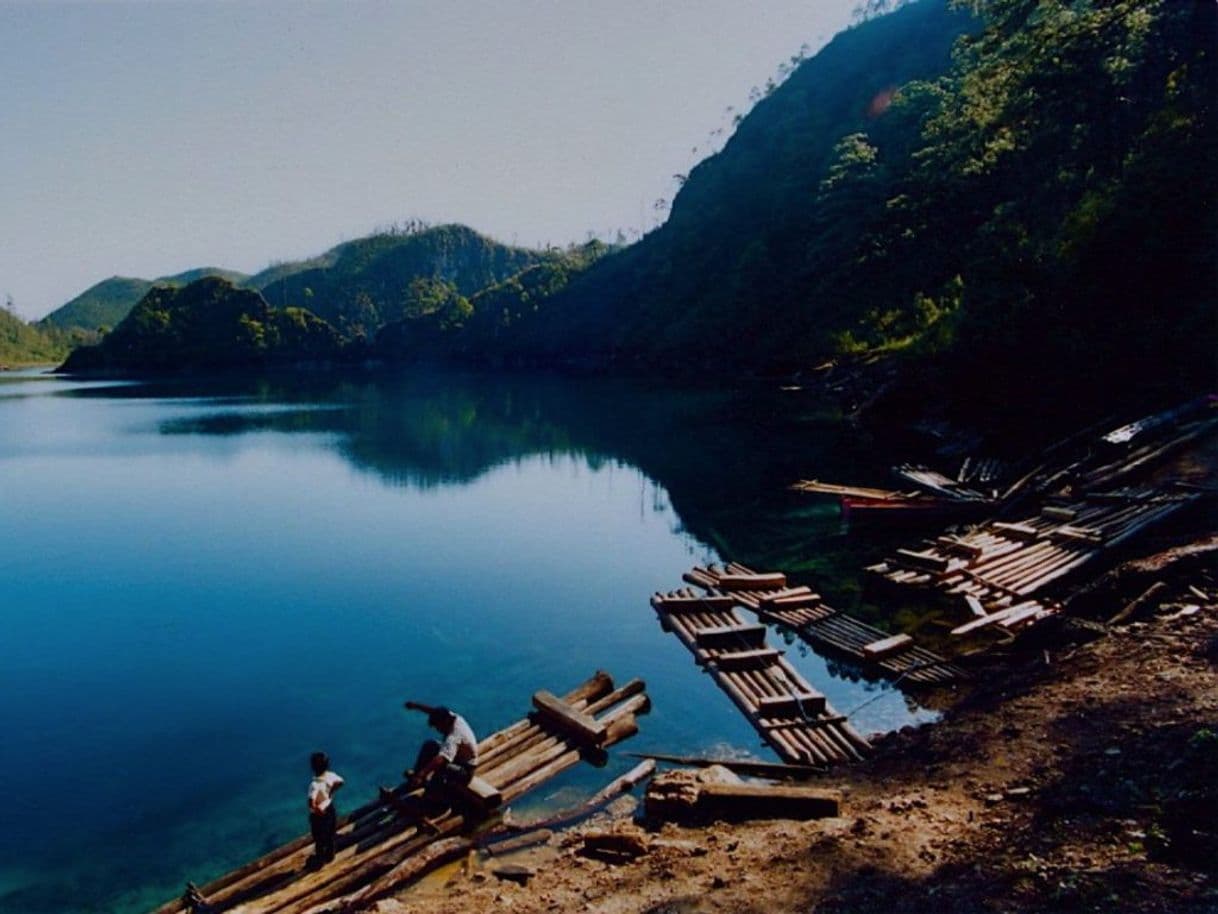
{"points": [[997, 567], [822, 626], [789, 714], [374, 839]]}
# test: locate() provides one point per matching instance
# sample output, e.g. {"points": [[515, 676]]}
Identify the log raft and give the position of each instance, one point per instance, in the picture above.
{"points": [[378, 845], [791, 716], [1003, 568], [826, 628]]}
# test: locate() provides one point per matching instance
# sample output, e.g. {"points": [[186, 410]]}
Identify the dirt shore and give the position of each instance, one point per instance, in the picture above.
{"points": [[1083, 778]]}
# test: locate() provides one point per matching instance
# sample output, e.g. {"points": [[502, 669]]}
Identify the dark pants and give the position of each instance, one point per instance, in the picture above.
{"points": [[324, 825], [450, 773]]}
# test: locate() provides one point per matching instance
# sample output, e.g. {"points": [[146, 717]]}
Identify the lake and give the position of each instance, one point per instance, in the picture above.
{"points": [[202, 581]]}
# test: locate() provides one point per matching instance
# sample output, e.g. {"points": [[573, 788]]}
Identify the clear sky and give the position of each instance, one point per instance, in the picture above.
{"points": [[147, 138]]}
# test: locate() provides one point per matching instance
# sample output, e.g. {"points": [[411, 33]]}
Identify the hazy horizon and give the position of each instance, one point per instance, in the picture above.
{"points": [[144, 139]]}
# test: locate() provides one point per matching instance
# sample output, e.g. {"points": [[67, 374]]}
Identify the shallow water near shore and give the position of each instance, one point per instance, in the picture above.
{"points": [[204, 581]]}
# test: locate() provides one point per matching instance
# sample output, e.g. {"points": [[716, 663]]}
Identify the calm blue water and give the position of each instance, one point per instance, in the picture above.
{"points": [[201, 583]]}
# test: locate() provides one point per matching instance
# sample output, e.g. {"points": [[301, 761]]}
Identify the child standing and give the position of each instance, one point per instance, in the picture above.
{"points": [[323, 817]]}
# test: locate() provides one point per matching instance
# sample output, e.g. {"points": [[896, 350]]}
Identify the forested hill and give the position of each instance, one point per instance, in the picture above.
{"points": [[364, 284], [104, 304], [1036, 217], [25, 344], [730, 274]]}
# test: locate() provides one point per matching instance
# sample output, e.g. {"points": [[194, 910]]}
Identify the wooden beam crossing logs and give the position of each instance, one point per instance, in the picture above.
{"points": [[560, 715], [377, 844]]}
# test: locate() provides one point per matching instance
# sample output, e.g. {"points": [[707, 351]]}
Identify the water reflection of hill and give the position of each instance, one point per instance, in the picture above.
{"points": [[725, 457]]}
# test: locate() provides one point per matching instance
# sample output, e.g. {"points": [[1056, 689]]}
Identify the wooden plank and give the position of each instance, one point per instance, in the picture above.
{"points": [[802, 591], [566, 719], [483, 795], [742, 635], [766, 581], [922, 561], [677, 604], [975, 607], [1015, 531], [791, 601], [992, 618], [805, 703], [886, 647], [740, 660]]}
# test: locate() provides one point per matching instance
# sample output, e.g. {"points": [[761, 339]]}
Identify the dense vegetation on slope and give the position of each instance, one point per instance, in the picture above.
{"points": [[106, 303], [373, 281], [1040, 214], [208, 324], [25, 344]]}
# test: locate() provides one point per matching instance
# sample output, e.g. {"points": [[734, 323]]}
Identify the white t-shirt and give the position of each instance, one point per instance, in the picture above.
{"points": [[321, 790], [460, 745]]}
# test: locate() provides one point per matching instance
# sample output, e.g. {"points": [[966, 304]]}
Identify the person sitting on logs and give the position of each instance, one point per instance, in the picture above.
{"points": [[450, 762]]}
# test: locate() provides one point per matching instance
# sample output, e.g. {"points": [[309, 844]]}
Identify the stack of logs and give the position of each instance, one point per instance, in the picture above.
{"points": [[998, 566], [378, 845], [790, 715], [824, 627]]}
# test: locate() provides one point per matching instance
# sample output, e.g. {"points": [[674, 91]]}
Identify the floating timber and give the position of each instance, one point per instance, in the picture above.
{"points": [[824, 627], [379, 841], [794, 718], [999, 568]]}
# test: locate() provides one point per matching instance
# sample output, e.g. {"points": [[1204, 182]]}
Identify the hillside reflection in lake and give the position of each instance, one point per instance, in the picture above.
{"points": [[203, 581]]}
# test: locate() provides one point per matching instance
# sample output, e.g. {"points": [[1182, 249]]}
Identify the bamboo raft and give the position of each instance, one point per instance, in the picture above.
{"points": [[791, 716], [998, 567], [376, 843], [824, 627]]}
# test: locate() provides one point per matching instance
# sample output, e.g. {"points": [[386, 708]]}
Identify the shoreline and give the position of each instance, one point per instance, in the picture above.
{"points": [[1031, 794]]}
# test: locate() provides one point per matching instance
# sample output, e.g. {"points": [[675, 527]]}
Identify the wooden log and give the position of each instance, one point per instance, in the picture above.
{"points": [[482, 795], [975, 607], [922, 560], [1139, 604], [991, 619], [429, 858], [769, 581], [737, 660], [1016, 531], [506, 844], [672, 603], [746, 767], [886, 647], [736, 635], [802, 703], [791, 601], [561, 716], [1055, 512]]}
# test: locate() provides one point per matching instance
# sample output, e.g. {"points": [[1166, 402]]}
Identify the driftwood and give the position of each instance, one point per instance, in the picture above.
{"points": [[1139, 604]]}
